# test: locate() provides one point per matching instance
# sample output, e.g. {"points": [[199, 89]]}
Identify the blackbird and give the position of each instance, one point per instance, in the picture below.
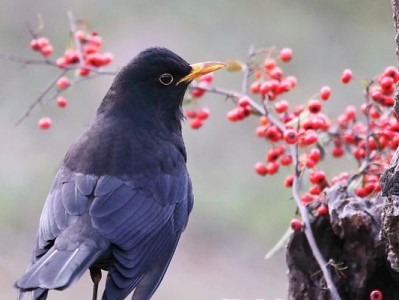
{"points": [[122, 196]]}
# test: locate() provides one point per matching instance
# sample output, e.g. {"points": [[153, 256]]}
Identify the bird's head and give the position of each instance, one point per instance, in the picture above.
{"points": [[154, 84]]}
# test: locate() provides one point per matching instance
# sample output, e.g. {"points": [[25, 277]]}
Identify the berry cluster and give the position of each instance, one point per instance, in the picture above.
{"points": [[90, 55], [370, 136], [84, 57], [198, 116], [42, 45]]}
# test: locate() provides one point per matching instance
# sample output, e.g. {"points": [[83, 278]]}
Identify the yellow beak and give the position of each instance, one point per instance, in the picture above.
{"points": [[201, 69]]}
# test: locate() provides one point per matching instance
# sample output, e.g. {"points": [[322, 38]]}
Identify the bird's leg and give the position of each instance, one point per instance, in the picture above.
{"points": [[95, 274]]}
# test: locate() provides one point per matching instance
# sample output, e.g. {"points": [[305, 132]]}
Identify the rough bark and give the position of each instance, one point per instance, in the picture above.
{"points": [[349, 238]]}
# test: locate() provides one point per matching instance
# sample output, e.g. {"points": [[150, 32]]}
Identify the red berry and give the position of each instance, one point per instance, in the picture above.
{"points": [[322, 210], [80, 35], [388, 101], [376, 93], [47, 50], [314, 106], [207, 77], [289, 181], [203, 113], [286, 160], [196, 123], [296, 225], [260, 168], [197, 92], [62, 101], [292, 81], [338, 151], [191, 114], [310, 163], [359, 153], [280, 149], [306, 198], [255, 87], [42, 42], [315, 190], [63, 83], [276, 73], [272, 155], [96, 59], [269, 64], [45, 123], [376, 295], [108, 58], [317, 177], [71, 56], [95, 40], [263, 120], [89, 49], [61, 62], [272, 167], [325, 93], [34, 45], [244, 101], [310, 137], [386, 82], [272, 133], [350, 112], [392, 72], [232, 115], [83, 72], [314, 154], [361, 192], [281, 106], [290, 136], [265, 87], [285, 54], [261, 131], [346, 76]]}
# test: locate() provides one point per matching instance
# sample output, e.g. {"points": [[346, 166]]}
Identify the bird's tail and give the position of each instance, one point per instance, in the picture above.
{"points": [[57, 269]]}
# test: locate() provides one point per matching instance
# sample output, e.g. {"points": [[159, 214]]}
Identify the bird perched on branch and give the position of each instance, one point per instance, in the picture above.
{"points": [[123, 195]]}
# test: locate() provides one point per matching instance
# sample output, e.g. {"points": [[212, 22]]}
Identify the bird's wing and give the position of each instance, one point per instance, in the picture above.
{"points": [[144, 227], [66, 243]]}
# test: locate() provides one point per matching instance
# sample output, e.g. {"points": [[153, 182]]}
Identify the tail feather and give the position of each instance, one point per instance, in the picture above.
{"points": [[37, 294], [58, 269]]}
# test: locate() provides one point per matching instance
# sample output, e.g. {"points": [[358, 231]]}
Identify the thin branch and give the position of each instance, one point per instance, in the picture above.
{"points": [[247, 71], [28, 61], [25, 61], [46, 90], [308, 230], [78, 45]]}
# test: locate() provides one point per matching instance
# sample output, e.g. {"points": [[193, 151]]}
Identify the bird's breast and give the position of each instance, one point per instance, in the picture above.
{"points": [[126, 151]]}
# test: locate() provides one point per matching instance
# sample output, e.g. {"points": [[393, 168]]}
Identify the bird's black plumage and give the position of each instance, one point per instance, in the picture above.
{"points": [[123, 194]]}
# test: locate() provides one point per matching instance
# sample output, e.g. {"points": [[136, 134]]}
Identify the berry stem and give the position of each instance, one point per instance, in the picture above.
{"points": [[78, 45], [248, 70]]}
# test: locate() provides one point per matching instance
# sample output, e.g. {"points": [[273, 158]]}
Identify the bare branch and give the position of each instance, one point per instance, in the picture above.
{"points": [[46, 90]]}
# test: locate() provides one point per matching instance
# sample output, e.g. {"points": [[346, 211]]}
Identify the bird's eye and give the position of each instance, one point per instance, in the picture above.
{"points": [[166, 79]]}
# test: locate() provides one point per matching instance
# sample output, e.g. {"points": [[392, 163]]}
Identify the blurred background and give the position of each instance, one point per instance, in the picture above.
{"points": [[238, 216]]}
